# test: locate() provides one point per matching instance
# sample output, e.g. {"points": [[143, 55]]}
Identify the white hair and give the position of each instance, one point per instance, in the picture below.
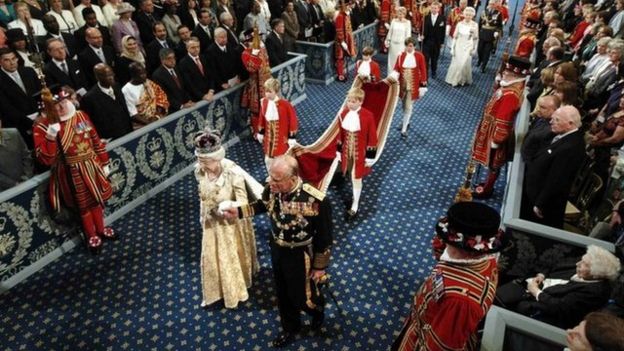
{"points": [[603, 264]]}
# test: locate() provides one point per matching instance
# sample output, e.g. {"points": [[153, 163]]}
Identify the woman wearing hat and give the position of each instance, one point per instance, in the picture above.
{"points": [[125, 26], [228, 255], [461, 287]]}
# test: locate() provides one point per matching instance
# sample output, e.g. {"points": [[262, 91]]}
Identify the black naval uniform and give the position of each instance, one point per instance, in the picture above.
{"points": [[300, 241], [491, 22]]}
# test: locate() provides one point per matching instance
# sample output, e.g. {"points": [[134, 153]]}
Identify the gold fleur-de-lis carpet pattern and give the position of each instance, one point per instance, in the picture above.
{"points": [[143, 291]]}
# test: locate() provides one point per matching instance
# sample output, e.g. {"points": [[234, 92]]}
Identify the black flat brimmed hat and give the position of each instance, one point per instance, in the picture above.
{"points": [[471, 226], [518, 65]]}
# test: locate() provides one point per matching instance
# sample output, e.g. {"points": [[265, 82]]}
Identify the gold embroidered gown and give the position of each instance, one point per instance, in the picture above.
{"points": [[228, 255]]}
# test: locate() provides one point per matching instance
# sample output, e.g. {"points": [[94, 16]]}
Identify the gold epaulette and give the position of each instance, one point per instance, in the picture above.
{"points": [[317, 194]]}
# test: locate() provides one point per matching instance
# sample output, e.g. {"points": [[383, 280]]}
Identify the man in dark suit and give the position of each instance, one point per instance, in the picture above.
{"points": [[90, 22], [316, 19], [18, 85], [184, 33], [548, 178], [554, 58], [275, 43], [225, 62], [51, 25], [168, 77], [434, 29], [145, 19], [95, 53], [106, 106], [153, 49], [203, 30], [195, 73], [63, 71], [227, 23], [303, 16], [539, 134]]}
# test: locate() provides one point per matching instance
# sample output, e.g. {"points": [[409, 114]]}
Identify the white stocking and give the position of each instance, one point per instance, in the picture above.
{"points": [[407, 111], [357, 191]]}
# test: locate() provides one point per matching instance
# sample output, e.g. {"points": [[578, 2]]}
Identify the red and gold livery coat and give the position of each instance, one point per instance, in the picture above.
{"points": [[276, 133], [526, 44], [357, 146], [455, 16], [496, 126], [80, 162], [410, 79], [344, 33], [385, 17], [449, 306], [259, 72]]}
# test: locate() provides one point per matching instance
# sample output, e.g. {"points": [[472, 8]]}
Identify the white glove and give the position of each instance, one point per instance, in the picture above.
{"points": [[495, 35], [292, 142], [420, 38], [493, 145], [53, 130], [422, 91], [369, 162], [394, 75], [387, 25], [338, 155], [106, 170], [344, 46], [260, 138], [387, 43], [225, 205]]}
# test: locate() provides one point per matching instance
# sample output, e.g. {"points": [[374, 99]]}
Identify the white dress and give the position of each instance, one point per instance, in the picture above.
{"points": [[228, 255], [464, 46], [395, 40]]}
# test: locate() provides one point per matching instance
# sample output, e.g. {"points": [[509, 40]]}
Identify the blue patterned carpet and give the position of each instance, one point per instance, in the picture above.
{"points": [[143, 292]]}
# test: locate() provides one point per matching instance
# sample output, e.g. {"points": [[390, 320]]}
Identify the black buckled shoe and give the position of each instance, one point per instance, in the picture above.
{"points": [[317, 320], [283, 339], [350, 215]]}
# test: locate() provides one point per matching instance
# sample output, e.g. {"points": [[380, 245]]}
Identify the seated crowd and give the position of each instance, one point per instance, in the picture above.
{"points": [[579, 54], [130, 63]]}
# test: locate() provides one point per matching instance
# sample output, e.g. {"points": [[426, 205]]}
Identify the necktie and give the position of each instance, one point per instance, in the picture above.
{"points": [[64, 68], [165, 45], [556, 138], [199, 65], [100, 55], [16, 77], [175, 77]]}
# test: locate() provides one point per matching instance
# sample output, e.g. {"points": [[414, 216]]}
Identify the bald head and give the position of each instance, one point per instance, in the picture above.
{"points": [[94, 37], [104, 75]]}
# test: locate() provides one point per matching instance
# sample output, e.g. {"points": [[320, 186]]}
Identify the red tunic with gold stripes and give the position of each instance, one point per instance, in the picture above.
{"points": [[259, 72], [83, 156], [357, 146], [449, 305], [410, 79], [277, 132], [455, 15], [526, 44], [344, 33], [496, 125], [385, 16]]}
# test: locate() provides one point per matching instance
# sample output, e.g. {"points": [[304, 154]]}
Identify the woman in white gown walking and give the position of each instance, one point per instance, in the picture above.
{"points": [[400, 29], [463, 48]]}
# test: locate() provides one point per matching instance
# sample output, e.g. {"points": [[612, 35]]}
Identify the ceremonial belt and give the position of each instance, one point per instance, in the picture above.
{"points": [[489, 27], [79, 158], [291, 244]]}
